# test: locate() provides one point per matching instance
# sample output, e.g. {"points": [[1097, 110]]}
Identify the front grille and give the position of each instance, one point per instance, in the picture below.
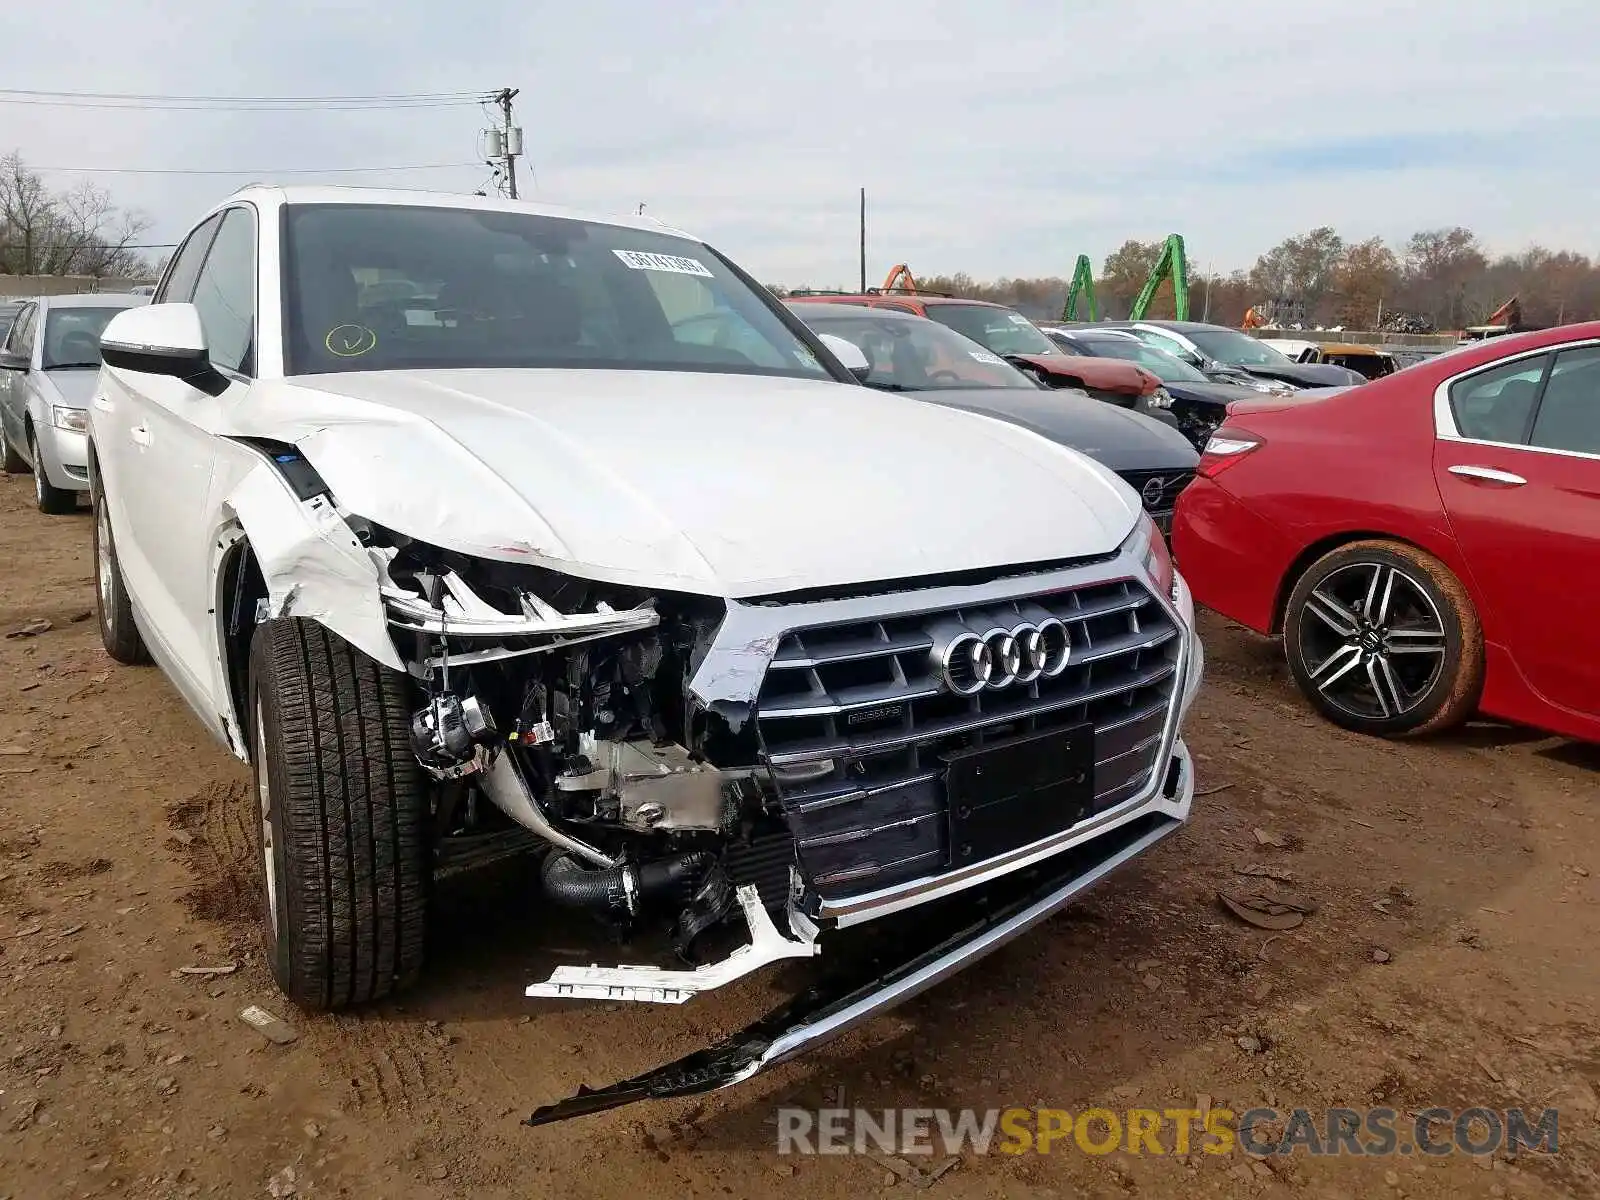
{"points": [[855, 721], [1164, 487]]}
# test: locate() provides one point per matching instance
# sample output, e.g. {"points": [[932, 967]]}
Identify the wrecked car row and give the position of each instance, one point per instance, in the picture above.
{"points": [[473, 529]]}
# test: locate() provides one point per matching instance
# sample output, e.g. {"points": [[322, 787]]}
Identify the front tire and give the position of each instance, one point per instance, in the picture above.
{"points": [[1383, 639], [50, 499], [118, 634], [343, 809]]}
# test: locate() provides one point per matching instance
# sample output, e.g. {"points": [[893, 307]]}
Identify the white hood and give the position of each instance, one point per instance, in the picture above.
{"points": [[730, 485]]}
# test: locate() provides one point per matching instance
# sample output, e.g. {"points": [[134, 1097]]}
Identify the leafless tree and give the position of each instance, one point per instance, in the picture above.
{"points": [[80, 231]]}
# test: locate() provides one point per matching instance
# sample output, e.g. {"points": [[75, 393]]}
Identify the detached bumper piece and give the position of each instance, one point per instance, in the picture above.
{"points": [[910, 963]]}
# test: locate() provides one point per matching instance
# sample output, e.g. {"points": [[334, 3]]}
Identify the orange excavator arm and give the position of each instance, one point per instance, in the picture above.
{"points": [[1509, 313], [898, 273]]}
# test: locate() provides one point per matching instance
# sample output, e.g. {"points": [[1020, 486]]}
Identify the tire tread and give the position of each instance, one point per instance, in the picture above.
{"points": [[352, 808]]}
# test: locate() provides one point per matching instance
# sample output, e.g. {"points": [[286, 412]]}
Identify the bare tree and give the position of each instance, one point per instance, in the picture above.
{"points": [[80, 231], [1440, 266], [1364, 282], [1300, 270]]}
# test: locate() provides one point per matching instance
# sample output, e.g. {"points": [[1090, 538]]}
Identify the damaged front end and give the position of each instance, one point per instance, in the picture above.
{"points": [[751, 778], [567, 705]]}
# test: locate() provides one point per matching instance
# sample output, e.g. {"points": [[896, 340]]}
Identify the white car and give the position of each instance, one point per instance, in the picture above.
{"points": [[48, 363], [471, 525]]}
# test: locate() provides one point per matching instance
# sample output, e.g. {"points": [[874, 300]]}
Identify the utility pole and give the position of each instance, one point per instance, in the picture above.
{"points": [[863, 239], [508, 145]]}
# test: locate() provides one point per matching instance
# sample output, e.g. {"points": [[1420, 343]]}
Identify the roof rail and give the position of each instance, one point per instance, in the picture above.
{"points": [[820, 292], [908, 291]]}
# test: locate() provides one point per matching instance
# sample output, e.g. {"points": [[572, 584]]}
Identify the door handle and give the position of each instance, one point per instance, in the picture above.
{"points": [[140, 435], [1489, 475]]}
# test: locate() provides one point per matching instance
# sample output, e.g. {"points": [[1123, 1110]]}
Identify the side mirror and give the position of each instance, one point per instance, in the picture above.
{"points": [[850, 355], [161, 339], [13, 362]]}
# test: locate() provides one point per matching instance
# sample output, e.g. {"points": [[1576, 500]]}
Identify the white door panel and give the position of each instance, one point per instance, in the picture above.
{"points": [[173, 442]]}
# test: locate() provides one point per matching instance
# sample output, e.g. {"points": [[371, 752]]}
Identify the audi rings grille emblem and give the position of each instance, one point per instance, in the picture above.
{"points": [[1153, 490], [989, 655]]}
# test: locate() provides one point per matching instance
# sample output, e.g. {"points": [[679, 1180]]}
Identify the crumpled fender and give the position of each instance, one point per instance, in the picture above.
{"points": [[312, 563]]}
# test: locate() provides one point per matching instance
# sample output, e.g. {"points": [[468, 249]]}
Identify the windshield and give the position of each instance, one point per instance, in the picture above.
{"points": [[72, 336], [381, 287], [1240, 349], [912, 355], [1165, 367], [999, 329]]}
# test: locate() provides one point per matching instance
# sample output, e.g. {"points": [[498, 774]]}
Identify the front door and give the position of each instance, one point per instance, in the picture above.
{"points": [[179, 445], [1520, 480]]}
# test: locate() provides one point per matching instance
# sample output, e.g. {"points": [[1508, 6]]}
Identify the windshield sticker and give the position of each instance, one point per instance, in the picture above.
{"points": [[1018, 319], [807, 359], [350, 341], [645, 260], [984, 356]]}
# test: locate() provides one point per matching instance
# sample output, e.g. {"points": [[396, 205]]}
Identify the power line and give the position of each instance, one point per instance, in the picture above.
{"points": [[143, 100], [261, 171]]}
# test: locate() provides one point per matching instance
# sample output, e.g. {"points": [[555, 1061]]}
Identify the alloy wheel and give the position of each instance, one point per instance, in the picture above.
{"points": [[1372, 640], [38, 470], [264, 796], [103, 567]]}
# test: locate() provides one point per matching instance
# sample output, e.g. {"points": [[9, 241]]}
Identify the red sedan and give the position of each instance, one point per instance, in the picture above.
{"points": [[1427, 545]]}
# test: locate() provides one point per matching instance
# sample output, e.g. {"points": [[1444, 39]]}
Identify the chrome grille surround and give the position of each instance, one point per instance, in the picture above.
{"points": [[853, 711]]}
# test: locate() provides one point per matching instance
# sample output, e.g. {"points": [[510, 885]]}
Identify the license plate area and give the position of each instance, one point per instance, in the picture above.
{"points": [[1010, 793]]}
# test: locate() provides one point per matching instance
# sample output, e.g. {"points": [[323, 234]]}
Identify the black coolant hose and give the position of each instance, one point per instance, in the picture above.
{"points": [[572, 885]]}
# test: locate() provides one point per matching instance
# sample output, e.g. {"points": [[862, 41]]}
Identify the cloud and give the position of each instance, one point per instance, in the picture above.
{"points": [[1000, 138]]}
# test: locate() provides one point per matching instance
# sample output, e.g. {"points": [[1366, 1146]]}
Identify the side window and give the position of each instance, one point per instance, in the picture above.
{"points": [[1497, 405], [178, 286], [20, 340], [27, 328], [1569, 413], [225, 292], [1163, 343]]}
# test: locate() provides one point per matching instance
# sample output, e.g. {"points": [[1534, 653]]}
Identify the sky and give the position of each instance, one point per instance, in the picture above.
{"points": [[995, 137]]}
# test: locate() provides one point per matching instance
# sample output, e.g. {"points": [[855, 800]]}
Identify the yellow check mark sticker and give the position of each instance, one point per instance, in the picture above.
{"points": [[350, 341]]}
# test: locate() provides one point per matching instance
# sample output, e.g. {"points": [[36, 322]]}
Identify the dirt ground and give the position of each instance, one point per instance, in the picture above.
{"points": [[1449, 961]]}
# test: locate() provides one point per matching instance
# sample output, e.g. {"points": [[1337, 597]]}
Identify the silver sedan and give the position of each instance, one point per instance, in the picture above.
{"points": [[49, 362]]}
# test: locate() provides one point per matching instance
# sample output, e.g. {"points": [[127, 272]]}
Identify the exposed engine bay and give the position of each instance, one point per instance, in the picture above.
{"points": [[566, 704]]}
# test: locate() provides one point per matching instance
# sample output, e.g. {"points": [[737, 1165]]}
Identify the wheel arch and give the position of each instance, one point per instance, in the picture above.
{"points": [[1326, 545], [276, 555], [239, 587]]}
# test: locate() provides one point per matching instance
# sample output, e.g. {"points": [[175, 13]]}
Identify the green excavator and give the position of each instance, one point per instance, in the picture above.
{"points": [[1171, 263]]}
